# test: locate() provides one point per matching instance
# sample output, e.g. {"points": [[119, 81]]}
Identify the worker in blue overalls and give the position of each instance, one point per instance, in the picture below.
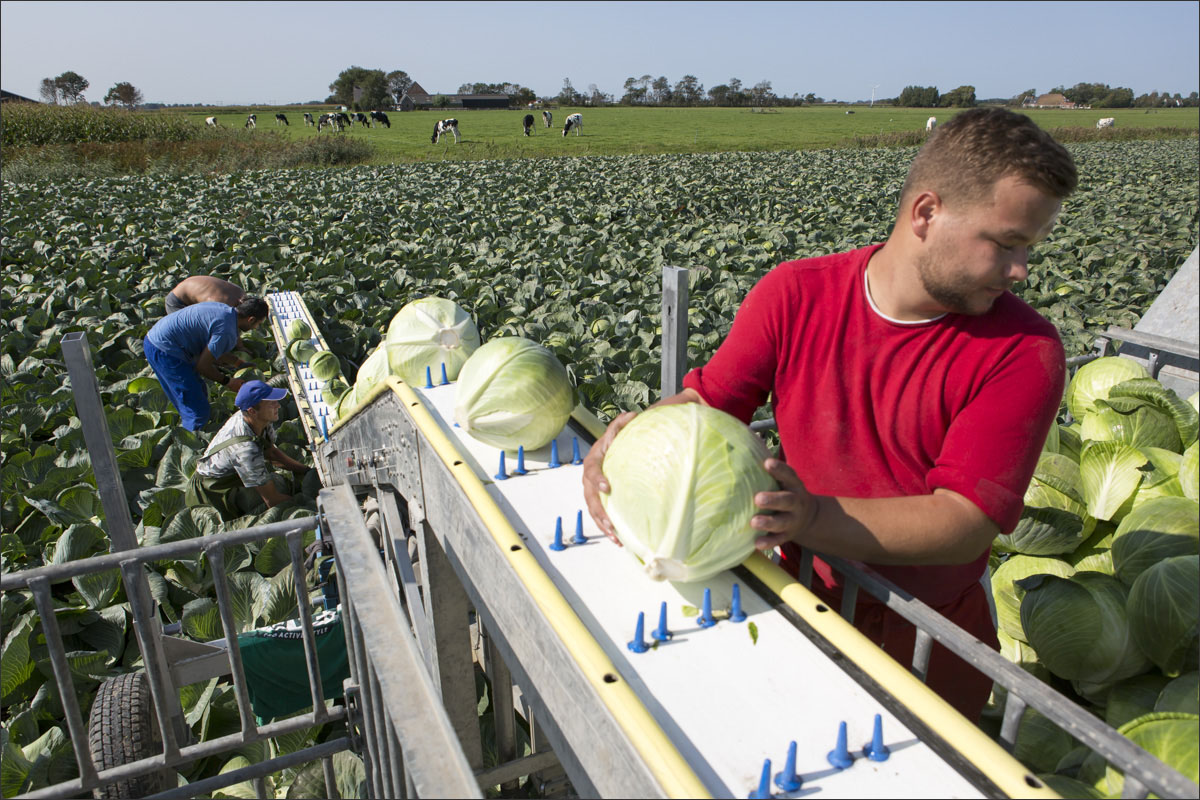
{"points": [[186, 346]]}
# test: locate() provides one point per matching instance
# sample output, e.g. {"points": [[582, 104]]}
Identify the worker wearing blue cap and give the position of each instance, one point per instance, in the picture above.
{"points": [[232, 475]]}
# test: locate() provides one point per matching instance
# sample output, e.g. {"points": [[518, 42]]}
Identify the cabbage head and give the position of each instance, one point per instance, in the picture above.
{"points": [[1133, 697], [373, 370], [1095, 555], [1164, 613], [428, 333], [1008, 594], [1110, 474], [1157, 529], [683, 481], [1041, 744], [1065, 786], [1093, 381], [1079, 627], [1181, 694], [1055, 520], [1169, 737], [513, 392], [1189, 472]]}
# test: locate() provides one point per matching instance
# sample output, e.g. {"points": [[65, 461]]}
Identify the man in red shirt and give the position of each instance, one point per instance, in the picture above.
{"points": [[913, 392]]}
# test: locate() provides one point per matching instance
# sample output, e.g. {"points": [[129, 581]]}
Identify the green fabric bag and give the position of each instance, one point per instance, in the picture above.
{"points": [[276, 669]]}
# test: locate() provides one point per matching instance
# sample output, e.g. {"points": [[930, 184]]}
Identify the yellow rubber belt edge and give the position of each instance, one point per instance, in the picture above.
{"points": [[661, 756], [977, 747]]}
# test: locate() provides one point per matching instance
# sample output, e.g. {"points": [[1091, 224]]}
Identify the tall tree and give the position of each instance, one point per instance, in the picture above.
{"points": [[124, 94], [398, 83], [689, 91], [70, 86], [962, 97], [49, 91], [568, 96], [661, 90], [918, 97], [762, 94], [374, 94], [355, 78], [719, 95], [635, 91]]}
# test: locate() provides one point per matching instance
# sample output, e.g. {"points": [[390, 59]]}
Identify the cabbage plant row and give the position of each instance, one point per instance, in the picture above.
{"points": [[565, 252], [1098, 589]]}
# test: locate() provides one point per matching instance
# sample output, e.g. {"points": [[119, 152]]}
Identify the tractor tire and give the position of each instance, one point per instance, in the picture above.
{"points": [[122, 728]]}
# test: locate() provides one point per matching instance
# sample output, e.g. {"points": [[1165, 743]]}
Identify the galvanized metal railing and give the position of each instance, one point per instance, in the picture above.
{"points": [[163, 690]]}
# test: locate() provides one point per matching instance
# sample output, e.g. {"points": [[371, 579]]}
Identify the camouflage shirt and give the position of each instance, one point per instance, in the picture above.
{"points": [[247, 459]]}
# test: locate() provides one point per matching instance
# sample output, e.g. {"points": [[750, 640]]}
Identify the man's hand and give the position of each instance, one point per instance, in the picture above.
{"points": [[594, 481], [794, 508], [234, 384]]}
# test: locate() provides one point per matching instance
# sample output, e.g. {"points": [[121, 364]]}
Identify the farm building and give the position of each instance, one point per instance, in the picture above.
{"points": [[1053, 100], [9, 97], [417, 99]]}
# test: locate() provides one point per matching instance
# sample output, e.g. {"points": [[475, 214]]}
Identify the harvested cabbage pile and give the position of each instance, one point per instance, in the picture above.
{"points": [[1099, 584], [512, 392], [683, 481]]}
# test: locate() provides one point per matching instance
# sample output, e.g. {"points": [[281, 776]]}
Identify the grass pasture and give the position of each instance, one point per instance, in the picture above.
{"points": [[620, 130]]}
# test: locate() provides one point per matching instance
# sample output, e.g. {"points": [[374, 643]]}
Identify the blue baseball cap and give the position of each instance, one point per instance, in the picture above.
{"points": [[254, 392]]}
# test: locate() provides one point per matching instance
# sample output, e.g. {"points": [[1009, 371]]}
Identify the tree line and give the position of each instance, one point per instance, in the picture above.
{"points": [[1096, 95], [68, 89]]}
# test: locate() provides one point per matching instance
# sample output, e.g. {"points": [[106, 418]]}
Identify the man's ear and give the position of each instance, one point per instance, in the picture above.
{"points": [[923, 210]]}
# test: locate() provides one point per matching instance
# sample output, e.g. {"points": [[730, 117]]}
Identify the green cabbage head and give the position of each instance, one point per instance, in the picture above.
{"points": [[428, 333], [1079, 627], [513, 392], [683, 481], [1093, 381], [1156, 530], [1164, 613], [1169, 737]]}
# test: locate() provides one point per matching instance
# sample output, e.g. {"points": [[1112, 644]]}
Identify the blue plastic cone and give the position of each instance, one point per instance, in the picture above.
{"points": [[788, 780], [839, 756], [639, 645], [557, 544]]}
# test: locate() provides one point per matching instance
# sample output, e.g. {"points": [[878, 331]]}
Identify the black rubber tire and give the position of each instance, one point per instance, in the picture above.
{"points": [[122, 727]]}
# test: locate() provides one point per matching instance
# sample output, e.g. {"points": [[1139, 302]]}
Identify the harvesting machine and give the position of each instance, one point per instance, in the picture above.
{"points": [[448, 565]]}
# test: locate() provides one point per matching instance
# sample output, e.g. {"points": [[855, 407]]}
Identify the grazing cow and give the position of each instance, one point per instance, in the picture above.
{"points": [[252, 121], [528, 123], [849, 112], [1107, 122], [361, 119], [575, 121], [334, 121], [210, 122], [547, 118], [280, 118], [444, 127], [382, 118], [930, 123], [308, 120]]}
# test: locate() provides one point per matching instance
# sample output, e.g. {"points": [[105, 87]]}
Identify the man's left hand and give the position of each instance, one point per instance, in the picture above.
{"points": [[794, 508]]}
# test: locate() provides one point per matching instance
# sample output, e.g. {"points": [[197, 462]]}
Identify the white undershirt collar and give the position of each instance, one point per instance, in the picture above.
{"points": [[894, 321]]}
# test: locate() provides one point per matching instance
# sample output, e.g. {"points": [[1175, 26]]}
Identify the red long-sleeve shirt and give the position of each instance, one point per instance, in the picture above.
{"points": [[870, 407]]}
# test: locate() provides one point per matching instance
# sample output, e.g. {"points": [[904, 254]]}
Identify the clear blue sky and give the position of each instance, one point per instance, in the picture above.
{"points": [[285, 52]]}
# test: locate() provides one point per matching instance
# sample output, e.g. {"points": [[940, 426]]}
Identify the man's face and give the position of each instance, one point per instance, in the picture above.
{"points": [[249, 323], [976, 253], [266, 410]]}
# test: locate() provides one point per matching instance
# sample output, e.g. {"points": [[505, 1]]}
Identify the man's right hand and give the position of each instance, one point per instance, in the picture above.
{"points": [[594, 481], [234, 384]]}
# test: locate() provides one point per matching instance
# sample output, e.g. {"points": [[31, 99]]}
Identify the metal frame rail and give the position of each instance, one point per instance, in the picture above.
{"points": [[163, 676], [1143, 772], [169, 663]]}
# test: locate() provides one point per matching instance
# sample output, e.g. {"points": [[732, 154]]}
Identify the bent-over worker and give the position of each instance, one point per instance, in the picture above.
{"points": [[188, 344], [912, 390], [236, 459], [203, 289]]}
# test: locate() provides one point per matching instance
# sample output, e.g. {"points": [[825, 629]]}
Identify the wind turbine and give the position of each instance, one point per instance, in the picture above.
{"points": [[873, 88]]}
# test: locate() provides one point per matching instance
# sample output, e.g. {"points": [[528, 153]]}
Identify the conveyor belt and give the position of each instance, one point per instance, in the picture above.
{"points": [[707, 708]]}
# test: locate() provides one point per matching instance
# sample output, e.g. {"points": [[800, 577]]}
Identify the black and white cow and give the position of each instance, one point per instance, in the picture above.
{"points": [[281, 119], [361, 119], [574, 122], [210, 122], [547, 118], [381, 118], [252, 121], [308, 120], [444, 127], [334, 121], [528, 123]]}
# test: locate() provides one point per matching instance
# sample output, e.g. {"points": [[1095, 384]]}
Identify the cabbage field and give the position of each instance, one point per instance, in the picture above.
{"points": [[567, 252]]}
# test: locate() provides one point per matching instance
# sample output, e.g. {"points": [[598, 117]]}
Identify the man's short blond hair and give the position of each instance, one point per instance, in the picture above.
{"points": [[964, 158]]}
